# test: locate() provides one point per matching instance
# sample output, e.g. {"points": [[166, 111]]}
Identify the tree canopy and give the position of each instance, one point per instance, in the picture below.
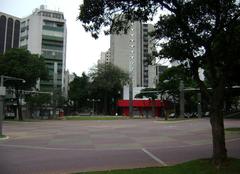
{"points": [[197, 34], [79, 90], [150, 93], [170, 79], [21, 63], [107, 83]]}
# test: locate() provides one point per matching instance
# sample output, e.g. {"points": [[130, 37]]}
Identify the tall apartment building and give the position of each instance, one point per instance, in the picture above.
{"points": [[130, 51], [44, 32], [9, 32], [105, 57]]}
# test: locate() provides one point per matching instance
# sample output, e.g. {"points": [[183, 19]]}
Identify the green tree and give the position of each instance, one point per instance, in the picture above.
{"points": [[21, 63], [107, 82], [148, 93], [168, 85], [151, 94], [198, 34], [79, 91]]}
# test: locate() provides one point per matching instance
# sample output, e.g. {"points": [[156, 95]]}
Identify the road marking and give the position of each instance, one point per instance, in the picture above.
{"points": [[80, 149], [232, 140], [39, 147], [154, 157]]}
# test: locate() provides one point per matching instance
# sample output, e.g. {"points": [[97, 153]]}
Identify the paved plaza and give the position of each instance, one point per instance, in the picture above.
{"points": [[58, 147]]}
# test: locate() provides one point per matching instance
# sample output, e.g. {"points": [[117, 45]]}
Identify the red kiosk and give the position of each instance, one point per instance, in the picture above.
{"points": [[143, 106]]}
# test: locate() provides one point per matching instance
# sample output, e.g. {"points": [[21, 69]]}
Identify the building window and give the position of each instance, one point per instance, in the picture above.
{"points": [[57, 15], [145, 30], [47, 14], [145, 39], [16, 34], [3, 20], [145, 25], [9, 33]]}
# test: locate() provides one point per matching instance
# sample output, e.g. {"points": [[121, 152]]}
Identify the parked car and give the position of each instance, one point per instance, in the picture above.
{"points": [[206, 114], [9, 115], [191, 115], [172, 115]]}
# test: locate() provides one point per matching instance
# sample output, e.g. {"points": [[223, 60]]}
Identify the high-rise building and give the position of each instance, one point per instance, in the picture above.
{"points": [[105, 57], [44, 32], [68, 78], [9, 32], [129, 51]]}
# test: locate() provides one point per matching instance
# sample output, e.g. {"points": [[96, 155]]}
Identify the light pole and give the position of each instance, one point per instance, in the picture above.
{"points": [[181, 89], [93, 101], [199, 106], [131, 68], [2, 94]]}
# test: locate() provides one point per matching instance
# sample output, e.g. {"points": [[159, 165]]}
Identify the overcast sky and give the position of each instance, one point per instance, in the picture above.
{"points": [[82, 50]]}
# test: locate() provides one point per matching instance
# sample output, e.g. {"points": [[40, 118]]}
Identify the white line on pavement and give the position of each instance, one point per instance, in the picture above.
{"points": [[36, 147], [232, 140], [154, 157]]}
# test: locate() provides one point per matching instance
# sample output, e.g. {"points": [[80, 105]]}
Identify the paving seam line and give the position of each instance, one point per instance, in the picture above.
{"points": [[154, 157]]}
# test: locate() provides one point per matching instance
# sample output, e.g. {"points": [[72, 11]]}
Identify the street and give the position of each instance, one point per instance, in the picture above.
{"points": [[72, 146]]}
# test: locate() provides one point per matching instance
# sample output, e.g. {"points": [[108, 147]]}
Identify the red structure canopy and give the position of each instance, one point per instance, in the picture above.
{"points": [[143, 107]]}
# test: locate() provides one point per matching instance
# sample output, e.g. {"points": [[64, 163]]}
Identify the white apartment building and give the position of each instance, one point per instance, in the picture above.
{"points": [[129, 52], [44, 32], [105, 57]]}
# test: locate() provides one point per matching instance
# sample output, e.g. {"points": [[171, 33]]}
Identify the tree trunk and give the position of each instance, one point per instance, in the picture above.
{"points": [[19, 111], [105, 103], [218, 135], [19, 107], [153, 107]]}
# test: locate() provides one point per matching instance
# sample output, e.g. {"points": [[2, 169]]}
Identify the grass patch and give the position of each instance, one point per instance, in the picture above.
{"points": [[233, 115], [3, 136], [204, 166], [233, 129], [95, 117]]}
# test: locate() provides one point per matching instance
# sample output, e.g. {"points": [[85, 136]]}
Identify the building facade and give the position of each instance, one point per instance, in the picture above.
{"points": [[130, 52], [160, 70], [105, 57], [44, 32], [9, 32], [68, 78]]}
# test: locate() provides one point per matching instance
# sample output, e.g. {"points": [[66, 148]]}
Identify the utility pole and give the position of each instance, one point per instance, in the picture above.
{"points": [[182, 103], [130, 98], [199, 106], [2, 94]]}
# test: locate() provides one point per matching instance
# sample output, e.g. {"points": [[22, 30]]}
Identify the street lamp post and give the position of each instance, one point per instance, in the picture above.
{"points": [[93, 102], [199, 106], [181, 88], [2, 94]]}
